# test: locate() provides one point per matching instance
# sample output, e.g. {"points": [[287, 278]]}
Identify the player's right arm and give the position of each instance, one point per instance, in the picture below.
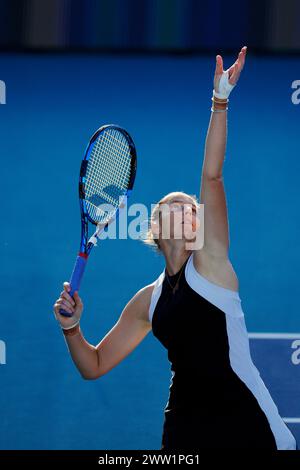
{"points": [[130, 329]]}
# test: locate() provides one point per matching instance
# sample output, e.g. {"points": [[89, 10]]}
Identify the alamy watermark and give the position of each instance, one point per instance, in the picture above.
{"points": [[174, 220], [2, 352], [296, 94], [2, 92], [296, 354]]}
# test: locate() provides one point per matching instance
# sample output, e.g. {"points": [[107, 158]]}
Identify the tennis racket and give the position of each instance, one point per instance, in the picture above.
{"points": [[107, 174]]}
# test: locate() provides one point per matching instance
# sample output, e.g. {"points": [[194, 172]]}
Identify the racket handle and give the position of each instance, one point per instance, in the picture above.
{"points": [[75, 280]]}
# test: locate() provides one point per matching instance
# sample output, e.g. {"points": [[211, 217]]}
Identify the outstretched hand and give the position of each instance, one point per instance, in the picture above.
{"points": [[233, 72]]}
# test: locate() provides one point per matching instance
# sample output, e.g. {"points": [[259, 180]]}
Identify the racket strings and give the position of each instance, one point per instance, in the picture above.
{"points": [[118, 167], [108, 174], [124, 151]]}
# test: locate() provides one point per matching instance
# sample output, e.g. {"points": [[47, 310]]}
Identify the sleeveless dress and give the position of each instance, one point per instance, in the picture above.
{"points": [[217, 398]]}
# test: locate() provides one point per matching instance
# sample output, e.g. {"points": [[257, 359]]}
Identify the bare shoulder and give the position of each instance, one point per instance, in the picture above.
{"points": [[140, 303], [217, 269]]}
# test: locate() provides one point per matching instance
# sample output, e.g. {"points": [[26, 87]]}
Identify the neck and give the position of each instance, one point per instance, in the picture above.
{"points": [[175, 258]]}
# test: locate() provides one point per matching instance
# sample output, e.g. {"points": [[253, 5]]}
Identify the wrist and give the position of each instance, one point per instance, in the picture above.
{"points": [[71, 330], [219, 104]]}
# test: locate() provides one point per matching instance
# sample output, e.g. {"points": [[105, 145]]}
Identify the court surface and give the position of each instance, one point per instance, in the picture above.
{"points": [[54, 103]]}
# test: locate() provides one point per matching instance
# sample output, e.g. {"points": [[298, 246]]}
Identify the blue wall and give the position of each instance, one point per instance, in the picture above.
{"points": [[147, 25]]}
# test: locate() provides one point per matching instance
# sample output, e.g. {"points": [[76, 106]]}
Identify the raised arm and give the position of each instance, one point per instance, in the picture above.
{"points": [[212, 192]]}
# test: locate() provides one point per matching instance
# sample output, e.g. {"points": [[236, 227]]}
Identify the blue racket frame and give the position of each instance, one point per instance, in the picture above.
{"points": [[86, 245]]}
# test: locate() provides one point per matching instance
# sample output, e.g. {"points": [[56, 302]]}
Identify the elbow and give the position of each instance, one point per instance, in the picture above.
{"points": [[94, 372], [90, 375]]}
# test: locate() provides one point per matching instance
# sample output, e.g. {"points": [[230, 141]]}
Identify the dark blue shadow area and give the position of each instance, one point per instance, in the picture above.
{"points": [[54, 104]]}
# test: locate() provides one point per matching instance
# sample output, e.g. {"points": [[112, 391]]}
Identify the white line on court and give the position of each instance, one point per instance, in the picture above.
{"points": [[291, 420], [274, 335]]}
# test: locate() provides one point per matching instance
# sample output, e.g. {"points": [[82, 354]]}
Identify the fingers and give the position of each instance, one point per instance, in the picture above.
{"points": [[219, 65], [77, 299], [241, 57], [65, 301], [67, 297], [69, 303], [235, 70], [67, 286], [63, 304], [73, 306], [233, 73]]}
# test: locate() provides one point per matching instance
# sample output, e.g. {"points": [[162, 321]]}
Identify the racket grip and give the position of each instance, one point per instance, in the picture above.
{"points": [[75, 280]]}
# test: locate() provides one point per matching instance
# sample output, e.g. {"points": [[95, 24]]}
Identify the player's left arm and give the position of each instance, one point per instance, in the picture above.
{"points": [[212, 191]]}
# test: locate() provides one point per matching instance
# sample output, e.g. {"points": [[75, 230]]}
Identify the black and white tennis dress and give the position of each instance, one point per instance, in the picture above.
{"points": [[217, 398]]}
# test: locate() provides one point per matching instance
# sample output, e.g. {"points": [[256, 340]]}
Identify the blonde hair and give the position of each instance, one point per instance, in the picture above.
{"points": [[150, 240]]}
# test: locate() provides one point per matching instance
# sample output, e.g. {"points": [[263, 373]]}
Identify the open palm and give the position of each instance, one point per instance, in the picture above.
{"points": [[233, 72]]}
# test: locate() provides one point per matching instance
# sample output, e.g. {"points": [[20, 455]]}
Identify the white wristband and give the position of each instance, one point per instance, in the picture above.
{"points": [[70, 327], [224, 87]]}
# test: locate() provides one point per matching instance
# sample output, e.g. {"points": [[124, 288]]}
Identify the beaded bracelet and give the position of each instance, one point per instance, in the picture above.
{"points": [[218, 105]]}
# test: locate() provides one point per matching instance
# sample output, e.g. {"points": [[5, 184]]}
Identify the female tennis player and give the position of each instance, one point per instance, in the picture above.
{"points": [[217, 398]]}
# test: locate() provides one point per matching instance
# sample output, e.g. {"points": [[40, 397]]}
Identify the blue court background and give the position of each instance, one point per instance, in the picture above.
{"points": [[54, 104]]}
